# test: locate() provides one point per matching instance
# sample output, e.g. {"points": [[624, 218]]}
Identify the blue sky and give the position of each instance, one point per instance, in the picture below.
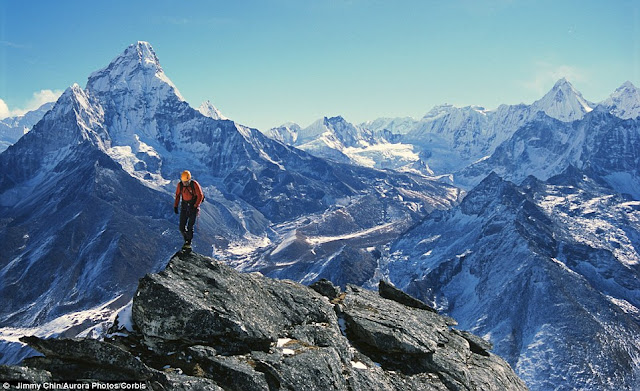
{"points": [[266, 62]]}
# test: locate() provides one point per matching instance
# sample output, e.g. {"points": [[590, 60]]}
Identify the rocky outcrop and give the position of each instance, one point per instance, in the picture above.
{"points": [[200, 324], [390, 292]]}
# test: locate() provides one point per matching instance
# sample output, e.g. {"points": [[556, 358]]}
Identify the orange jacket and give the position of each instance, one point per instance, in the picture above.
{"points": [[186, 194]]}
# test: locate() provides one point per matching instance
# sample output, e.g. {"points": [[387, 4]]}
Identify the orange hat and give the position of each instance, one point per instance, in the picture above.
{"points": [[186, 175]]}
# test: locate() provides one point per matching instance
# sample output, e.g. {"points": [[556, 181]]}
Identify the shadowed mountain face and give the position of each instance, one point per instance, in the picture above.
{"points": [[86, 196], [200, 324]]}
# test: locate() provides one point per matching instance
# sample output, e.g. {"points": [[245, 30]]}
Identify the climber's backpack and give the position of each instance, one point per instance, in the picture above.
{"points": [[192, 190]]}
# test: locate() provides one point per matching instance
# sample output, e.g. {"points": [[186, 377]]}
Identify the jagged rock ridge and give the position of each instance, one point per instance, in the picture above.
{"points": [[203, 325]]}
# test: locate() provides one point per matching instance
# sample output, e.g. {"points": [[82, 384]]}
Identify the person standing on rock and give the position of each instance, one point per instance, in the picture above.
{"points": [[192, 196]]}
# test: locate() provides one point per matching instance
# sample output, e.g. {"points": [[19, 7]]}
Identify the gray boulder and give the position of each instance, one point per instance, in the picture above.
{"points": [[92, 361], [91, 354], [198, 301], [326, 288]]}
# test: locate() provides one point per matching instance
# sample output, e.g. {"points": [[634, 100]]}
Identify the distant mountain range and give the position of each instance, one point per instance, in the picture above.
{"points": [[12, 128], [447, 139]]}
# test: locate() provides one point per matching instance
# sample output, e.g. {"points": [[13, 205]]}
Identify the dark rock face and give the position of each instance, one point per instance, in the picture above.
{"points": [[415, 341], [326, 288], [390, 292], [223, 308], [199, 324]]}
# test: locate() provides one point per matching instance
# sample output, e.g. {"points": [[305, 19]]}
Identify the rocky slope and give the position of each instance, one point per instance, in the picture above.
{"points": [[199, 324], [548, 271]]}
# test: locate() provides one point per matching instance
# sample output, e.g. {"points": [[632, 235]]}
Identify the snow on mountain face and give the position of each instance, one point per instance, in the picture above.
{"points": [[563, 102], [136, 85], [347, 134], [539, 270], [209, 110], [338, 140], [624, 102], [331, 137], [449, 138], [136, 70], [606, 144], [286, 133], [12, 128], [401, 125], [72, 121]]}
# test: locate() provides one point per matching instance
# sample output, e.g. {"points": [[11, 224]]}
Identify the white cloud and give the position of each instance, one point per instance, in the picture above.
{"points": [[4, 110], [41, 97], [547, 74], [37, 99]]}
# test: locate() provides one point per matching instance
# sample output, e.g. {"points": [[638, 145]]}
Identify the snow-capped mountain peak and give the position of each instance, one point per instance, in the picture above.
{"points": [[627, 85], [624, 102], [335, 128], [563, 102], [335, 120], [136, 69], [439, 111], [142, 53], [348, 134], [286, 133], [209, 110], [132, 90]]}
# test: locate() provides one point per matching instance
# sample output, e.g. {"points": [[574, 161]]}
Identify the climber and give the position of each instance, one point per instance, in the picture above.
{"points": [[192, 197]]}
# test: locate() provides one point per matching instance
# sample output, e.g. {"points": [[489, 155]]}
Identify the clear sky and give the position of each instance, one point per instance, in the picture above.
{"points": [[266, 62]]}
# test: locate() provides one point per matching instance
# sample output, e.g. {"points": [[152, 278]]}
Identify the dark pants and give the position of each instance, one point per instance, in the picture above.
{"points": [[188, 214]]}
